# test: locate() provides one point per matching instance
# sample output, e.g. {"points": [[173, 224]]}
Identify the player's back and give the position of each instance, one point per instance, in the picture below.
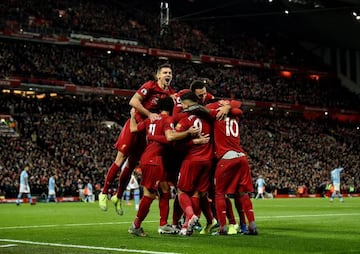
{"points": [[154, 149], [197, 152], [227, 136]]}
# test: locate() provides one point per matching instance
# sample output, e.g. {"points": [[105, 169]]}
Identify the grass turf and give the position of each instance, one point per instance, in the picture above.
{"points": [[285, 226]]}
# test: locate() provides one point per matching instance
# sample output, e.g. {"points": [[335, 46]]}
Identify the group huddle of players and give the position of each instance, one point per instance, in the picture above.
{"points": [[193, 141]]}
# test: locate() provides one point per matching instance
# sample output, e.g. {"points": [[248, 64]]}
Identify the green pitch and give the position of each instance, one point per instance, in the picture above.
{"points": [[285, 226]]}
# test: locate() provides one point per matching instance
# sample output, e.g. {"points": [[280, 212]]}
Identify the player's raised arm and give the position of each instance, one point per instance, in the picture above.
{"points": [[136, 102], [133, 124]]}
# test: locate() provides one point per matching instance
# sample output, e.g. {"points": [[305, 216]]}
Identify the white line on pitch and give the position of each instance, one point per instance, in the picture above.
{"points": [[85, 247], [8, 245], [306, 215], [129, 222], [71, 225]]}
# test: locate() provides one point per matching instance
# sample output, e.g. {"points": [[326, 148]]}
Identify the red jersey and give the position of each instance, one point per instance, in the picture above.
{"points": [[151, 93], [226, 132], [154, 150], [177, 114], [197, 152], [208, 97]]}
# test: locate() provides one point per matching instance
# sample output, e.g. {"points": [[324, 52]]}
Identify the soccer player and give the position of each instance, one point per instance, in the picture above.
{"points": [[199, 89], [151, 164], [131, 145], [260, 184], [89, 195], [24, 186], [195, 172], [52, 189], [133, 186], [335, 178], [232, 173]]}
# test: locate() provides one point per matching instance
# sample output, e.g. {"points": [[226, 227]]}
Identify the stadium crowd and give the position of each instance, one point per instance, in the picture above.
{"points": [[98, 68], [68, 135], [140, 22]]}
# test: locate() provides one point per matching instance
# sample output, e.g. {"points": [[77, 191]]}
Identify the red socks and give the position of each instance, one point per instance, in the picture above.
{"points": [[177, 211], [205, 206], [124, 179], [110, 177], [230, 212], [164, 207], [220, 205], [144, 208], [247, 207], [186, 204], [195, 201]]}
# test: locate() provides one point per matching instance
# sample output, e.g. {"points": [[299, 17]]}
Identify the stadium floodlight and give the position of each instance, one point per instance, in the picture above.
{"points": [[354, 14], [164, 17], [286, 12]]}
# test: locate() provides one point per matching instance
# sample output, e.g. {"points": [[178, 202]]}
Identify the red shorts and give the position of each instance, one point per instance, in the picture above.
{"points": [[151, 176], [233, 176], [130, 143], [195, 176]]}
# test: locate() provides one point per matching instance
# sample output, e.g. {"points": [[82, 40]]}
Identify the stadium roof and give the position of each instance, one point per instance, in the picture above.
{"points": [[327, 22]]}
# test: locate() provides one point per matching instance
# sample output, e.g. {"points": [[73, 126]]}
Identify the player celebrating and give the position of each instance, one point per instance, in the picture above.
{"points": [[195, 172], [232, 174], [144, 101], [151, 164]]}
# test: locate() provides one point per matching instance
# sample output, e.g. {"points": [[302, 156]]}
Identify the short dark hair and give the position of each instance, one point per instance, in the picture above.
{"points": [[166, 104], [165, 65], [189, 96], [197, 84]]}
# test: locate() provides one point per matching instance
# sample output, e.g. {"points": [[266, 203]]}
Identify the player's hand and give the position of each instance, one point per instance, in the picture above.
{"points": [[153, 116], [223, 102], [194, 131], [132, 112], [222, 112], [202, 139]]}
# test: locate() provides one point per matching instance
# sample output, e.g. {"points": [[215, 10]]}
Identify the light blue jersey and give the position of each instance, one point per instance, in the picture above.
{"points": [[51, 185], [260, 183], [90, 188], [24, 187], [24, 178], [335, 175]]}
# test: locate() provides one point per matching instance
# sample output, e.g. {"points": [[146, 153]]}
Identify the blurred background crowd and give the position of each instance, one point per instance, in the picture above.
{"points": [[73, 135]]}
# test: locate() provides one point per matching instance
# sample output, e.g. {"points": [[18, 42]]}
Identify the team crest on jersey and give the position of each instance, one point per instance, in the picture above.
{"points": [[144, 91]]}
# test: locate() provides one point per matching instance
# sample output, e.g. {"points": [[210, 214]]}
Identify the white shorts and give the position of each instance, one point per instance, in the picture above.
{"points": [[260, 190], [336, 186], [24, 188], [52, 192]]}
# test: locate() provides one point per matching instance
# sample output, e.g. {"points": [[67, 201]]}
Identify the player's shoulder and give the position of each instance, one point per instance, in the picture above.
{"points": [[151, 84]]}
